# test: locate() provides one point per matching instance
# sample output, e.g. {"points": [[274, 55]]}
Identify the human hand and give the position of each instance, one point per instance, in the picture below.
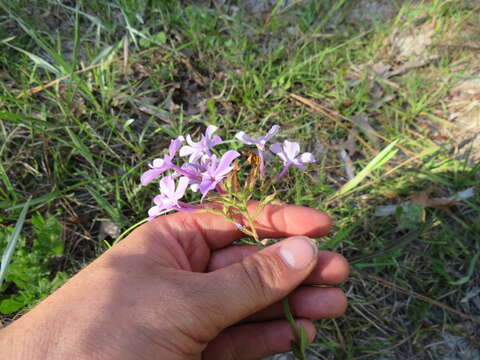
{"points": [[176, 289]]}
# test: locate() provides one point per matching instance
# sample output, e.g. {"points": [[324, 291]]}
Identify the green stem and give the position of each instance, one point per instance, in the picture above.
{"points": [[300, 342], [126, 232], [251, 223]]}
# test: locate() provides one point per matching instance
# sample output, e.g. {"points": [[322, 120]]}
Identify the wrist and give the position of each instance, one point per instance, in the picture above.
{"points": [[14, 345], [30, 338]]}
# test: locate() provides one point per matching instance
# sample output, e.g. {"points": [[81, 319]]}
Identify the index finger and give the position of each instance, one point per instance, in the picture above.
{"points": [[274, 221]]}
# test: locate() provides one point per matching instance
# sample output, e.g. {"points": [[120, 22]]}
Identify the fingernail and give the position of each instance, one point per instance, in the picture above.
{"points": [[298, 252]]}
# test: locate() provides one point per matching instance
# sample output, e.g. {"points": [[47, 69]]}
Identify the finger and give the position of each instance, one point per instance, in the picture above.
{"points": [[274, 221], [259, 280], [331, 268], [307, 302], [255, 341]]}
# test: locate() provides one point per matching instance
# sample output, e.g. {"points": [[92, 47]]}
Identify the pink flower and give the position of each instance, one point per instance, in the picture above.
{"points": [[197, 150], [170, 195], [259, 142], [159, 166], [216, 171], [290, 155]]}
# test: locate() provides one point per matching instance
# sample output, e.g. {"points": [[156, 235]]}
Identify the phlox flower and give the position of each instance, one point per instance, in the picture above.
{"points": [[159, 166], [290, 155], [197, 150], [194, 172], [259, 142], [216, 171], [170, 195]]}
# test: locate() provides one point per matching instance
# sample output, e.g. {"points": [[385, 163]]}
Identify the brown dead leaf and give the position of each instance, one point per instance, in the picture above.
{"points": [[424, 201], [109, 228], [78, 220]]}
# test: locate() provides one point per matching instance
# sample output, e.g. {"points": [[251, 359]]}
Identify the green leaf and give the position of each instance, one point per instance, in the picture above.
{"points": [[47, 236], [12, 243], [41, 63], [11, 305], [410, 216], [113, 212], [300, 342], [377, 162], [470, 271], [268, 199]]}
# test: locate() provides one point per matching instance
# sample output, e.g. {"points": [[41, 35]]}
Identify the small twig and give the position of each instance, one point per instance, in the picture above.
{"points": [[418, 296], [39, 88], [332, 114], [327, 113]]}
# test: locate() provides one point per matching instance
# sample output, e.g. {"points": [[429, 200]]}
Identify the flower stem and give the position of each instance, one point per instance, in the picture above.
{"points": [[251, 223], [299, 333], [299, 344]]}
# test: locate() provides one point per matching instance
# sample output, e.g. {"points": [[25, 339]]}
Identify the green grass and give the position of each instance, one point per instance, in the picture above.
{"points": [[138, 72]]}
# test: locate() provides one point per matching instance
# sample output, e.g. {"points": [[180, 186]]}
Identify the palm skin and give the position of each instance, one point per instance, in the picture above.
{"points": [[176, 288]]}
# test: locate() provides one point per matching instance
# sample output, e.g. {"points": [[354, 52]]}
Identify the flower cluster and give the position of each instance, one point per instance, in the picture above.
{"points": [[205, 171]]}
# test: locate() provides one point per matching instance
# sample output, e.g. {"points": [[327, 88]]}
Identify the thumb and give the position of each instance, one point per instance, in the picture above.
{"points": [[261, 279]]}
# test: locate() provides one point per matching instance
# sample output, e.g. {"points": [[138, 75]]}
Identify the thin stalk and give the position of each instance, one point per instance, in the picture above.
{"points": [[251, 223], [299, 344]]}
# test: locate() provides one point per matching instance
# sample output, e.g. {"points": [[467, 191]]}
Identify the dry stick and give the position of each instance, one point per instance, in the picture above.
{"points": [[418, 296], [332, 114], [39, 88], [197, 76], [315, 106]]}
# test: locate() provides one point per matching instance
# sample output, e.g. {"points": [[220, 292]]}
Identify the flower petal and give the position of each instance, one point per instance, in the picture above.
{"points": [[207, 185], [243, 137], [157, 163], [271, 133], [150, 175], [195, 187], [174, 146], [159, 199], [215, 141], [154, 211], [187, 150], [291, 149], [307, 158], [224, 165], [278, 150], [191, 142], [181, 187], [210, 130], [167, 186]]}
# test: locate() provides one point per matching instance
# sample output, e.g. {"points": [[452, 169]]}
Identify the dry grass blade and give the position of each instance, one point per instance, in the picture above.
{"points": [[325, 112], [389, 349], [39, 88], [418, 296], [332, 115]]}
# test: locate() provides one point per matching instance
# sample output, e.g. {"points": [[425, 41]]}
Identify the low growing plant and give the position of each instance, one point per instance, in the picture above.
{"points": [[29, 277], [228, 180]]}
